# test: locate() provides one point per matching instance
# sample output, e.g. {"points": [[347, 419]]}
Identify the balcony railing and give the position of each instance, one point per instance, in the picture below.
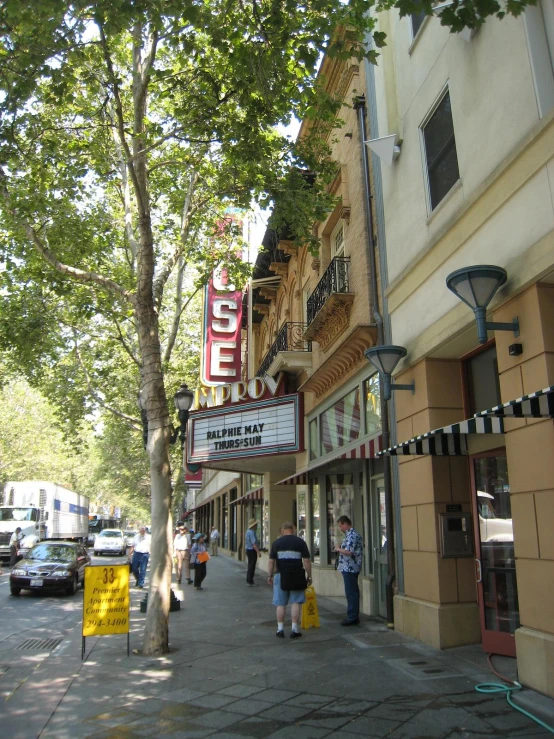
{"points": [[334, 280], [289, 339]]}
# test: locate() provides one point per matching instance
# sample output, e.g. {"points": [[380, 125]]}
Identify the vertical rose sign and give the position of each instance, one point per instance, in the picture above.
{"points": [[221, 352]]}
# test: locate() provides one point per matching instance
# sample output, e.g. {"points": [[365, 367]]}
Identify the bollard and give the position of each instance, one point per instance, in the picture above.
{"points": [[174, 603]]}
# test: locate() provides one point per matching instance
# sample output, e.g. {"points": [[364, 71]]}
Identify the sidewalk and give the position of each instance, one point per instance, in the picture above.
{"points": [[227, 676]]}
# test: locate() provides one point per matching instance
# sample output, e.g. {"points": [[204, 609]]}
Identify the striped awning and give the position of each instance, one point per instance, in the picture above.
{"points": [[448, 440], [368, 450], [257, 494], [535, 405]]}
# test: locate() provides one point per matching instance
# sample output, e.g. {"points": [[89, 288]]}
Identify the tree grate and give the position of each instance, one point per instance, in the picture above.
{"points": [[40, 645]]}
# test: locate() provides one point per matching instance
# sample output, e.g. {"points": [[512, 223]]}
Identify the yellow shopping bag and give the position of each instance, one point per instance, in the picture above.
{"points": [[310, 615]]}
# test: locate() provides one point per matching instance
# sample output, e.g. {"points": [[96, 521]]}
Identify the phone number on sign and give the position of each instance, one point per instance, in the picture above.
{"points": [[103, 622]]}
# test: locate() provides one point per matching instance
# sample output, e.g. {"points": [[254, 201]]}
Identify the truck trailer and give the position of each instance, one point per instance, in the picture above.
{"points": [[43, 510]]}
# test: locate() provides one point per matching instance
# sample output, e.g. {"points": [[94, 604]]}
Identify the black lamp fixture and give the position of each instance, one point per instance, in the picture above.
{"points": [[183, 400], [385, 358], [476, 286]]}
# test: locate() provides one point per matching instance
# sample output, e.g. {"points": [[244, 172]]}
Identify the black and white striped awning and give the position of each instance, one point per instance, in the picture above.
{"points": [[535, 405], [448, 440]]}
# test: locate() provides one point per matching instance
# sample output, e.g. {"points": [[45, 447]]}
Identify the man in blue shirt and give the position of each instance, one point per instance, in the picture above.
{"points": [[252, 552], [350, 564]]}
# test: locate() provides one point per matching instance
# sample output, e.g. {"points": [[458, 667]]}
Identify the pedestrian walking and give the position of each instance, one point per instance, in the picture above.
{"points": [[181, 548], [15, 541], [252, 552], [289, 559], [214, 540], [350, 564], [140, 553], [198, 558]]}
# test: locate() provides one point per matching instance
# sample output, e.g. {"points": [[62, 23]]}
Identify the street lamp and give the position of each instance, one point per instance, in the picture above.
{"points": [[476, 286], [183, 400], [385, 358]]}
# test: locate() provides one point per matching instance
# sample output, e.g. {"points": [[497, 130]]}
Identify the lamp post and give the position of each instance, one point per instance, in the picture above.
{"points": [[183, 400], [476, 286], [384, 358]]}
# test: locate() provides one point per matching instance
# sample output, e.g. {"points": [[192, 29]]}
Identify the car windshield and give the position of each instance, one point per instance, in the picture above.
{"points": [[111, 534], [130, 533], [55, 552]]}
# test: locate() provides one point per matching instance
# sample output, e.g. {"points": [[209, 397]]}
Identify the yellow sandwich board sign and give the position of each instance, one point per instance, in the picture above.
{"points": [[106, 601]]}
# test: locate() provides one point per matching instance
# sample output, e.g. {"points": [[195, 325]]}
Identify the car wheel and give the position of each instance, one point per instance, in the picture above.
{"points": [[72, 588], [15, 590], [96, 554]]}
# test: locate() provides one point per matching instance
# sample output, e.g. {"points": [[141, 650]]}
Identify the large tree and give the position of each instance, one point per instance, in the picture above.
{"points": [[126, 130]]}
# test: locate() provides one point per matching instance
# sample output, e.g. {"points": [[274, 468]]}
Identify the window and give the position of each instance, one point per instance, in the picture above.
{"points": [[252, 482], [233, 521], [340, 424], [314, 441], [301, 515], [483, 388], [314, 494], [416, 20], [224, 525], [440, 152], [340, 502], [372, 395], [337, 240]]}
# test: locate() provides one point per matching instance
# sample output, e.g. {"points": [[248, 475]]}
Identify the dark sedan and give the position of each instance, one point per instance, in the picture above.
{"points": [[50, 566]]}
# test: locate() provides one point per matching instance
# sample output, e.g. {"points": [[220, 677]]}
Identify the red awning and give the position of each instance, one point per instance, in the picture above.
{"points": [[367, 450]]}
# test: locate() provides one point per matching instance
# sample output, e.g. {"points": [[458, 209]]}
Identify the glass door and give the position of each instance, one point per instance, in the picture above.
{"points": [[380, 564], [495, 560]]}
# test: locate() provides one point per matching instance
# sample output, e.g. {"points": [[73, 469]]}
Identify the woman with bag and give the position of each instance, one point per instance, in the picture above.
{"points": [[198, 558]]}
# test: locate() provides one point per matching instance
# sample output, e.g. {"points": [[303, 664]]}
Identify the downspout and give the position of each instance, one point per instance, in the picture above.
{"points": [[371, 268]]}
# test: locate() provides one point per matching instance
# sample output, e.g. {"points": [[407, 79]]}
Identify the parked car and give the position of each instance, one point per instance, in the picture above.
{"points": [[110, 541], [129, 537], [50, 566]]}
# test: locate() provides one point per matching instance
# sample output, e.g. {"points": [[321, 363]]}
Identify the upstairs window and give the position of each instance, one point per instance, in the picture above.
{"points": [[416, 20], [441, 158], [337, 240]]}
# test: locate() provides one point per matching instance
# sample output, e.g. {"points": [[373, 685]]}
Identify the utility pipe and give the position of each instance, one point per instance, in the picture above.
{"points": [[371, 261]]}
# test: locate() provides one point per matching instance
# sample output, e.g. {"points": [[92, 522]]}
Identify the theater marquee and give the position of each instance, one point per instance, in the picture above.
{"points": [[247, 430]]}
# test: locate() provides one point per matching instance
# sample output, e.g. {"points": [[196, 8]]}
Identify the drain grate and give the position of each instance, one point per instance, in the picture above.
{"points": [[40, 645]]}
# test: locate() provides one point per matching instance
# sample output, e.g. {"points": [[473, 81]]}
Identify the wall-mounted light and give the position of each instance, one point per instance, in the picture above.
{"points": [[183, 400], [385, 147], [385, 358], [476, 286]]}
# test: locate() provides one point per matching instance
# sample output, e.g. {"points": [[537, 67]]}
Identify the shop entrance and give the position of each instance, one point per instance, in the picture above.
{"points": [[494, 552], [379, 537]]}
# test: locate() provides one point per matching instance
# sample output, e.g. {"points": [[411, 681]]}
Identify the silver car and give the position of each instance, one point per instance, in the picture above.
{"points": [[110, 541], [129, 537]]}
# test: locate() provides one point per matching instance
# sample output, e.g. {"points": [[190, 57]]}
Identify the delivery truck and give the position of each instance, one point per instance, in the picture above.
{"points": [[43, 510]]}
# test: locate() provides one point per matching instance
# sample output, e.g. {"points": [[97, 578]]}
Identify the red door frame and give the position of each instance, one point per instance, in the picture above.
{"points": [[493, 642]]}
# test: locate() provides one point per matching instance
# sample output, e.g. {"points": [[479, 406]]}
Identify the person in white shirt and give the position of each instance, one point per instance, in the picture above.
{"points": [[181, 548], [140, 551], [214, 540], [14, 545]]}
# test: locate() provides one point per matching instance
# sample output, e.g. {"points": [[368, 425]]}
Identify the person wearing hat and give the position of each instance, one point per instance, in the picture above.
{"points": [[181, 547], [252, 552], [198, 546]]}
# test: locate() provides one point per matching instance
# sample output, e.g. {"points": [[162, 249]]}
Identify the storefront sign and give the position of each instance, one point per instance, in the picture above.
{"points": [[221, 350], [251, 429]]}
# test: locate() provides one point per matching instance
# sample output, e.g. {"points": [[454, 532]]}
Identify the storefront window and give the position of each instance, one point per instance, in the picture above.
{"points": [[314, 440], [301, 515], [224, 524], [233, 520], [340, 502], [314, 493], [340, 424], [372, 396], [264, 534], [252, 482]]}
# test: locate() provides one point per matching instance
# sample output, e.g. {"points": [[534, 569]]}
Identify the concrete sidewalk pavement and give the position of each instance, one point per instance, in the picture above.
{"points": [[228, 676]]}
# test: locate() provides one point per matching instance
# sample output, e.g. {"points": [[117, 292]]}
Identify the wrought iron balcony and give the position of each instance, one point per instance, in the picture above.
{"points": [[289, 342], [334, 280], [328, 307]]}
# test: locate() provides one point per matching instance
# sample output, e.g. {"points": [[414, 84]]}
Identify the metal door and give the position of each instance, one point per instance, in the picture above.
{"points": [[494, 546]]}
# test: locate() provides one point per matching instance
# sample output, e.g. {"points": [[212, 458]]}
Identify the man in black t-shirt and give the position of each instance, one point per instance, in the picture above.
{"points": [[289, 554]]}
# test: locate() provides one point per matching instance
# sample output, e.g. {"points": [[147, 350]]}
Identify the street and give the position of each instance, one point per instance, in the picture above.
{"points": [[227, 676]]}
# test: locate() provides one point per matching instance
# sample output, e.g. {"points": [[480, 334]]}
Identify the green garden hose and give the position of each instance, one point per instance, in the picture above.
{"points": [[509, 689]]}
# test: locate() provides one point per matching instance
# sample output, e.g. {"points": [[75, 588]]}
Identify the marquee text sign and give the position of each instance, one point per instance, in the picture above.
{"points": [[250, 429], [221, 350], [236, 392]]}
